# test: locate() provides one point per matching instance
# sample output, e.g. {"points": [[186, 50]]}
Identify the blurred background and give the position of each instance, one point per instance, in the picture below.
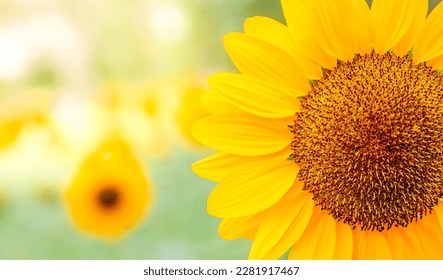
{"points": [[74, 73]]}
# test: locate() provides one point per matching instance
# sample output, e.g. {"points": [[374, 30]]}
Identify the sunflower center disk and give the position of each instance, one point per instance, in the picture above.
{"points": [[108, 197], [369, 140]]}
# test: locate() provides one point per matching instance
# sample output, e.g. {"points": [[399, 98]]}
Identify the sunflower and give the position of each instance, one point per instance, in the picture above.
{"points": [[19, 111], [9, 132], [190, 110], [110, 193], [329, 139], [138, 111]]}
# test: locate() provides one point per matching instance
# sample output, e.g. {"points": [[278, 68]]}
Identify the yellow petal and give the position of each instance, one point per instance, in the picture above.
{"points": [[439, 213], [245, 227], [255, 96], [190, 110], [242, 134], [345, 244], [356, 234], [216, 103], [276, 33], [270, 31], [318, 240], [258, 58], [390, 21], [430, 236], [373, 246], [436, 63], [407, 42], [404, 244], [429, 44], [283, 225], [341, 28], [257, 187], [220, 165], [299, 24]]}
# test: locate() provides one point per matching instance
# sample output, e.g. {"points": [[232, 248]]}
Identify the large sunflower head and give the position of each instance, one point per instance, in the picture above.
{"points": [[329, 139], [109, 193]]}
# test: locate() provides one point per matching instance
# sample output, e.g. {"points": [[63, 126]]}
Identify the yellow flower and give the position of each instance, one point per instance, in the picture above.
{"points": [[329, 138], [9, 131], [18, 110], [110, 193], [190, 110], [139, 112]]}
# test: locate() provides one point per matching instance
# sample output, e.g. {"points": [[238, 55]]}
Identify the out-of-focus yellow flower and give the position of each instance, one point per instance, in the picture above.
{"points": [[9, 131], [109, 193], [190, 109], [19, 110], [78, 123], [152, 116], [140, 112]]}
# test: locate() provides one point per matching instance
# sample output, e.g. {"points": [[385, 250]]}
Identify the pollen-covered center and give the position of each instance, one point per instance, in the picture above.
{"points": [[369, 141], [108, 197]]}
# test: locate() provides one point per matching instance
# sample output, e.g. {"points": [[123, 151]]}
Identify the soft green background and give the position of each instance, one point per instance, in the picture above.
{"points": [[33, 221]]}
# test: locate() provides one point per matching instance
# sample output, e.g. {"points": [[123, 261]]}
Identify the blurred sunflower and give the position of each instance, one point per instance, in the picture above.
{"points": [[139, 112], [110, 193], [189, 110], [19, 110], [9, 131], [329, 139]]}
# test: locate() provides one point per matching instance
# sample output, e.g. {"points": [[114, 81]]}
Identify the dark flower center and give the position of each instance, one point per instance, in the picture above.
{"points": [[108, 197]]}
